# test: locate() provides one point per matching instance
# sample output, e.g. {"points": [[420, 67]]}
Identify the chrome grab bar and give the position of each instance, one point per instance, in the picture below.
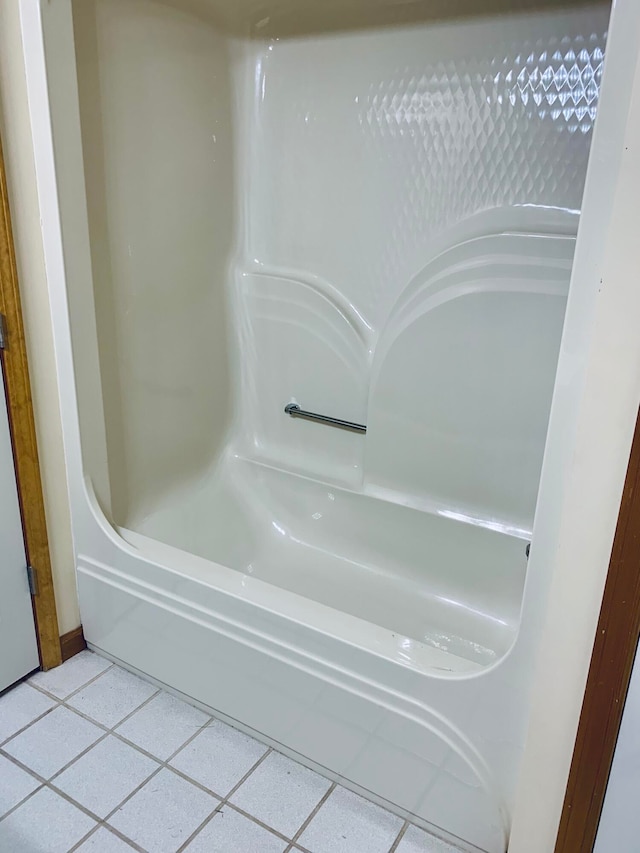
{"points": [[295, 411]]}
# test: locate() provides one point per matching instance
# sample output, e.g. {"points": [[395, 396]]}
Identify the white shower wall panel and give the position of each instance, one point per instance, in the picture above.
{"points": [[157, 134], [368, 155], [367, 147]]}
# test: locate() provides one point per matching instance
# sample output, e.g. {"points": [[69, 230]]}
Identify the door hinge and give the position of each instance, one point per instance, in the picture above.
{"points": [[3, 332], [32, 577]]}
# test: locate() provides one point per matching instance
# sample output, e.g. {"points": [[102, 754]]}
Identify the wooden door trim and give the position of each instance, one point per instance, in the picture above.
{"points": [[23, 435], [609, 674]]}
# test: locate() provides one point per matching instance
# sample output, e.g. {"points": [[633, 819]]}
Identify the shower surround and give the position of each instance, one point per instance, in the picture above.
{"points": [[370, 211]]}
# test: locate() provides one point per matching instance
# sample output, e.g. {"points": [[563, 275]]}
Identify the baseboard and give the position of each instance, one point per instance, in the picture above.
{"points": [[71, 643]]}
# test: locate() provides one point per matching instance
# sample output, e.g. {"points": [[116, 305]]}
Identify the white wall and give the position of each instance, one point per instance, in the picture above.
{"points": [[15, 129]]}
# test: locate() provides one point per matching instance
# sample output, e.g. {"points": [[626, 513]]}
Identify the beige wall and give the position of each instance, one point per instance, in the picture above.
{"points": [[15, 129]]}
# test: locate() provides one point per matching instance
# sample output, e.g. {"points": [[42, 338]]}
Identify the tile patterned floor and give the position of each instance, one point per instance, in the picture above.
{"points": [[96, 760]]}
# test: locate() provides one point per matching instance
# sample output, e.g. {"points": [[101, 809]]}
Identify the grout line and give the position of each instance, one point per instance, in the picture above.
{"points": [[131, 794], [141, 749], [399, 837], [161, 765], [103, 821], [99, 820], [315, 811], [224, 801], [102, 825], [67, 765], [84, 838], [149, 778], [64, 704], [41, 779], [105, 728], [58, 701], [77, 758], [21, 803], [257, 821], [106, 732], [200, 827], [123, 837], [30, 723], [94, 815], [293, 843], [22, 766], [49, 783], [248, 773], [73, 692], [24, 799]]}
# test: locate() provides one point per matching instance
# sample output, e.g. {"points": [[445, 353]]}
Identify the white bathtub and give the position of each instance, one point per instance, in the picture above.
{"points": [[370, 211], [429, 581]]}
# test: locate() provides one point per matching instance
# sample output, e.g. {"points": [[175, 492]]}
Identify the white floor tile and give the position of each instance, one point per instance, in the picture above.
{"points": [[346, 823], [112, 696], [230, 831], [163, 725], [163, 813], [167, 809], [19, 707], [45, 823], [105, 775], [55, 740], [281, 793], [219, 757], [416, 841], [64, 679], [15, 784], [104, 841]]}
